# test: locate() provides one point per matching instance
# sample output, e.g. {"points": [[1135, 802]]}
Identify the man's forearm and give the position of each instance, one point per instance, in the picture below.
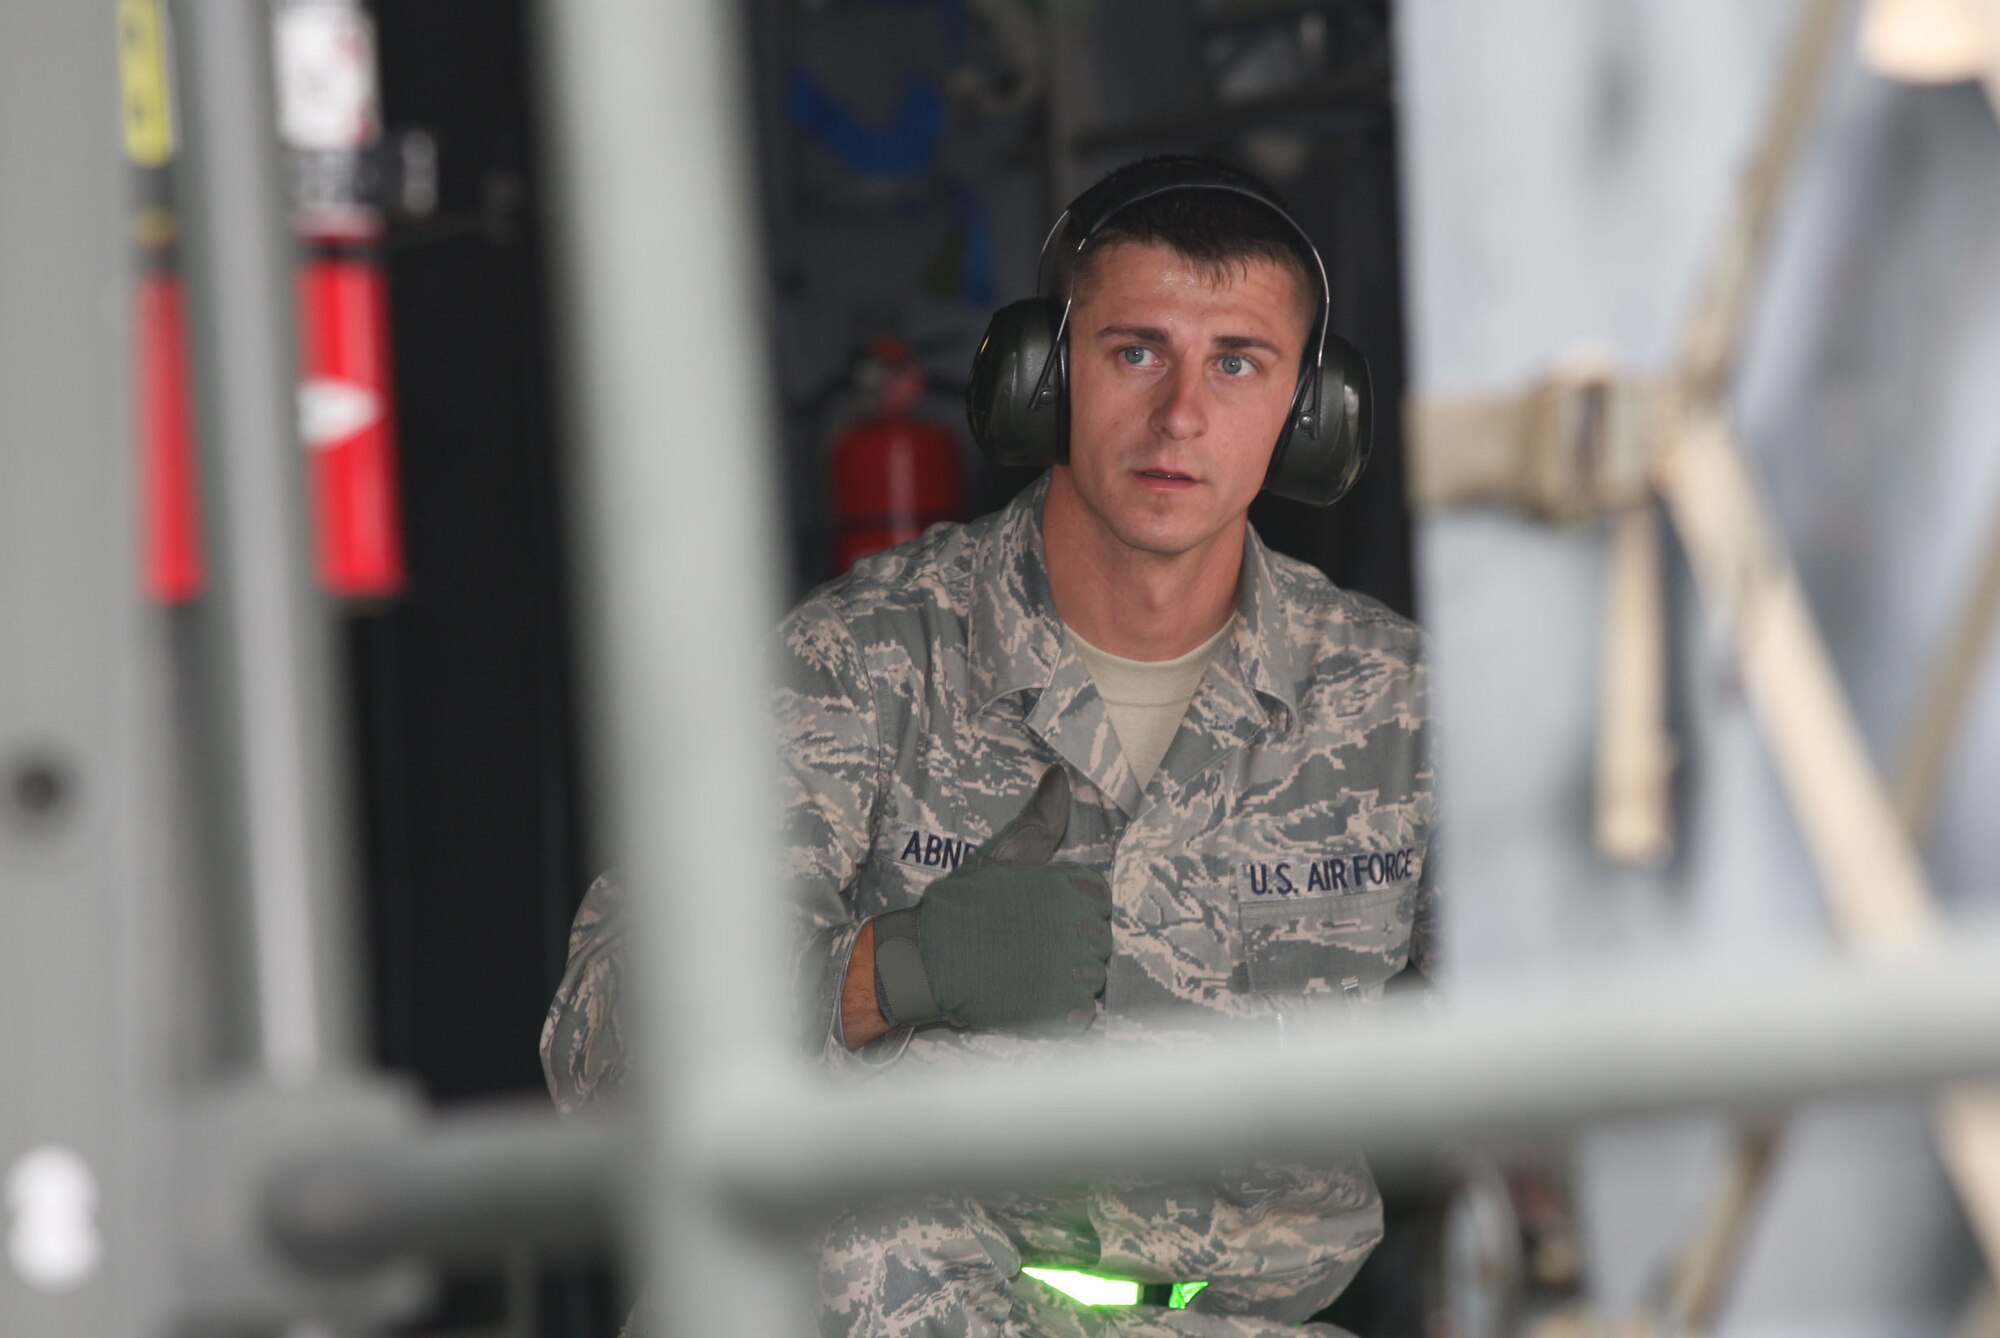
{"points": [[860, 1018]]}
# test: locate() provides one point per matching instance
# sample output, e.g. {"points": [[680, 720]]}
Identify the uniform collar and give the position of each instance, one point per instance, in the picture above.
{"points": [[1015, 638], [1264, 650]]}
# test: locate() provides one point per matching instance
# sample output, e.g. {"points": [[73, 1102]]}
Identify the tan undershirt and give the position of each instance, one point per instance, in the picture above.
{"points": [[1146, 699]]}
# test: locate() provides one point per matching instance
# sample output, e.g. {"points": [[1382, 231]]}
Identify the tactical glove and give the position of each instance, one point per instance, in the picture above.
{"points": [[1008, 939]]}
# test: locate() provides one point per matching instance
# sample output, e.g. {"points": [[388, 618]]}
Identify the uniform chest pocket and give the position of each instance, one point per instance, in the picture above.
{"points": [[1348, 944]]}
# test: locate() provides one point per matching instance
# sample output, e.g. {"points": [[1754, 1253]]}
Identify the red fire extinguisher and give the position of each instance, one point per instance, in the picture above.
{"points": [[330, 122], [894, 475], [172, 536]]}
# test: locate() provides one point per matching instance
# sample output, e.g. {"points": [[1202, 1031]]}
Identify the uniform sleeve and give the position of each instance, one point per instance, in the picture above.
{"points": [[825, 717], [1425, 941], [583, 1043], [831, 771]]}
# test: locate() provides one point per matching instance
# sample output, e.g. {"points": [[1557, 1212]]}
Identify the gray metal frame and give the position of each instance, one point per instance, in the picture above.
{"points": [[263, 633], [304, 1190], [74, 671]]}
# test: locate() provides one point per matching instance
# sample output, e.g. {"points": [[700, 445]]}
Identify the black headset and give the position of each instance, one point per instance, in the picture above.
{"points": [[1018, 398]]}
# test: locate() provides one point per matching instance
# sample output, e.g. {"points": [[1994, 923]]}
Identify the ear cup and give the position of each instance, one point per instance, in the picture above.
{"points": [[1017, 399], [1330, 432]]}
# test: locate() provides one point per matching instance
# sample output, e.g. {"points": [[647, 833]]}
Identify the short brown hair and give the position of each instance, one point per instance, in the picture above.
{"points": [[1220, 232]]}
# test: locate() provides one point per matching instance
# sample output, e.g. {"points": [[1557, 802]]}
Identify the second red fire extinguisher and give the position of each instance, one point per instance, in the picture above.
{"points": [[894, 475]]}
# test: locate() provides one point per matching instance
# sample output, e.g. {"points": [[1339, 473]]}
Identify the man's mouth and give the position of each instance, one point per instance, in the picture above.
{"points": [[1166, 475]]}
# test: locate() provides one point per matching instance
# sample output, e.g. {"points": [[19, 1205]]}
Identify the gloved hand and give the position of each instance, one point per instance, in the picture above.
{"points": [[1008, 939]]}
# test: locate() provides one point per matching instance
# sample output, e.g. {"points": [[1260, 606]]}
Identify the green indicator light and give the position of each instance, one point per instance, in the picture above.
{"points": [[1183, 1293], [1087, 1287]]}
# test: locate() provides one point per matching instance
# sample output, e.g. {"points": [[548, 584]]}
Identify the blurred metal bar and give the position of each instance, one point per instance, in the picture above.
{"points": [[1404, 1086], [264, 636], [671, 391], [669, 386], [81, 878], [466, 1188]]}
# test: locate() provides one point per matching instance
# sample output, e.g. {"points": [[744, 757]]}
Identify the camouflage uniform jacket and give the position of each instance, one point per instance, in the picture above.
{"points": [[1278, 859]]}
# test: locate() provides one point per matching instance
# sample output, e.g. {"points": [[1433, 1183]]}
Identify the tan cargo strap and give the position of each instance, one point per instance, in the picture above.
{"points": [[1715, 326], [1576, 444], [1636, 755], [1704, 1272], [1946, 691], [1967, 1122], [1873, 881]]}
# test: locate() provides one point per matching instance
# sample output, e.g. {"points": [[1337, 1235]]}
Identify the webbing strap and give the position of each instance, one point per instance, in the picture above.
{"points": [[1635, 749], [1874, 882], [1572, 445], [902, 986], [1946, 692]]}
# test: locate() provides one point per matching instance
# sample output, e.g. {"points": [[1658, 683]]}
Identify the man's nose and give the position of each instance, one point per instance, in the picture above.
{"points": [[1181, 411]]}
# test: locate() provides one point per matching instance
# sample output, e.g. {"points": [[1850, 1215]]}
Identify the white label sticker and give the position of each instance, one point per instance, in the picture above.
{"points": [[327, 99], [52, 1236], [331, 411]]}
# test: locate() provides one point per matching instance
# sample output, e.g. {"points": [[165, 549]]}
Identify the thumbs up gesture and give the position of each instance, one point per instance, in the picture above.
{"points": [[1012, 938]]}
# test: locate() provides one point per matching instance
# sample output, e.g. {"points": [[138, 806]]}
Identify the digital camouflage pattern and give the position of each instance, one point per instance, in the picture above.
{"points": [[583, 1041], [1277, 863], [950, 1267]]}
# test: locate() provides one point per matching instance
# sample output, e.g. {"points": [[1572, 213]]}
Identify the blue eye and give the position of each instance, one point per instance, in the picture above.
{"points": [[1134, 354], [1234, 364]]}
